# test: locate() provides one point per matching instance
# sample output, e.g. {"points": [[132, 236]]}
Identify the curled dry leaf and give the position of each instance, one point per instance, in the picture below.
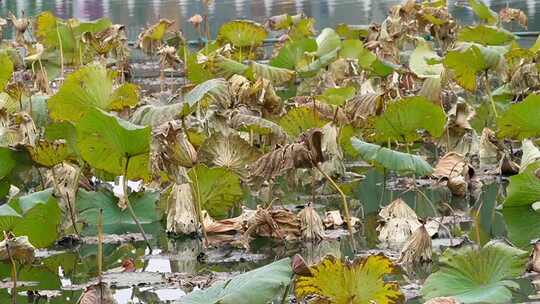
{"points": [[458, 186], [443, 300], [99, 293], [20, 249], [181, 215], [311, 224], [507, 166], [168, 57], [509, 14], [417, 249], [534, 258], [398, 222], [490, 149], [20, 24], [195, 20], [150, 39], [333, 219], [235, 224], [277, 223], [304, 153], [173, 147], [452, 164]]}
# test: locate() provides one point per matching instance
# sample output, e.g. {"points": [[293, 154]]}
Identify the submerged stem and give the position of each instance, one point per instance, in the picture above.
{"points": [[13, 271], [130, 209], [488, 92], [343, 198]]}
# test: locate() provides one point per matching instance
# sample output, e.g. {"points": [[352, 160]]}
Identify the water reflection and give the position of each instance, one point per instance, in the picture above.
{"points": [[139, 13]]}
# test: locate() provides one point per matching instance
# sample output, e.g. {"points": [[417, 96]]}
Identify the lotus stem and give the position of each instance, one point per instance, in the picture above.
{"points": [[100, 244], [286, 293], [13, 271], [61, 52], [343, 198], [130, 209], [199, 209], [488, 92]]}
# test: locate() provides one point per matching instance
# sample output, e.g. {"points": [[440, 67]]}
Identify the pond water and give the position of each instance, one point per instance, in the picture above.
{"points": [[137, 14], [168, 273]]}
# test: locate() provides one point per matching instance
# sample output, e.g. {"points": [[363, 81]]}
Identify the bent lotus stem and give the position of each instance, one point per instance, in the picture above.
{"points": [[13, 271], [130, 209], [61, 52], [343, 198]]}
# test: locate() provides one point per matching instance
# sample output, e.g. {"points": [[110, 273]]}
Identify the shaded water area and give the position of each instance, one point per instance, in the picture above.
{"points": [[137, 14], [178, 266]]}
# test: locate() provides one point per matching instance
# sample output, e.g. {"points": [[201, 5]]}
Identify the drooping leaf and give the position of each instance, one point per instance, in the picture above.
{"points": [[214, 90], [217, 190], [392, 160], [465, 65], [106, 142], [276, 75], [299, 120], [522, 225], [485, 35], [143, 204], [327, 42], [292, 52], [483, 11], [358, 282], [477, 275], [420, 58], [230, 152], [521, 120], [524, 188], [242, 33], [88, 87], [258, 286], [155, 115], [6, 69], [35, 215], [531, 154], [337, 96], [403, 119], [257, 125]]}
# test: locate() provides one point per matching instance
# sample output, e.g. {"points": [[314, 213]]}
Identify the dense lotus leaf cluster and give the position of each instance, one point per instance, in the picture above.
{"points": [[85, 146]]}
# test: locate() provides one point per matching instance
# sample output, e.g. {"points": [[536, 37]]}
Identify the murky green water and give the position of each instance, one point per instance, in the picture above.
{"points": [[139, 13], [154, 281]]}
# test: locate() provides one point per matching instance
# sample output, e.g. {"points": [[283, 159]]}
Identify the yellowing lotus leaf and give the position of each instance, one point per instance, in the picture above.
{"points": [[358, 282], [242, 33]]}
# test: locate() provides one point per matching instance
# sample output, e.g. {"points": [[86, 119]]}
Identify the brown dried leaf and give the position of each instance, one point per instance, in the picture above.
{"points": [[304, 153], [181, 214], [508, 14], [20, 249], [333, 219], [451, 165], [417, 249], [99, 293], [311, 224], [277, 223]]}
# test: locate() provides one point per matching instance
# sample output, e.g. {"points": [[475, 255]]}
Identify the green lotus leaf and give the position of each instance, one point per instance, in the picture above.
{"points": [[420, 58], [276, 75], [214, 90], [327, 41], [144, 206], [352, 49], [403, 119], [392, 160], [107, 142], [258, 286], [477, 275], [465, 65], [242, 33], [155, 115], [531, 154], [522, 225], [302, 29], [483, 11], [216, 189], [299, 120], [63, 131], [88, 87], [485, 35], [8, 161], [35, 215], [521, 120], [49, 153], [348, 31], [54, 33], [226, 67], [311, 68], [524, 188], [359, 282], [292, 52], [6, 69], [337, 96], [125, 96]]}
